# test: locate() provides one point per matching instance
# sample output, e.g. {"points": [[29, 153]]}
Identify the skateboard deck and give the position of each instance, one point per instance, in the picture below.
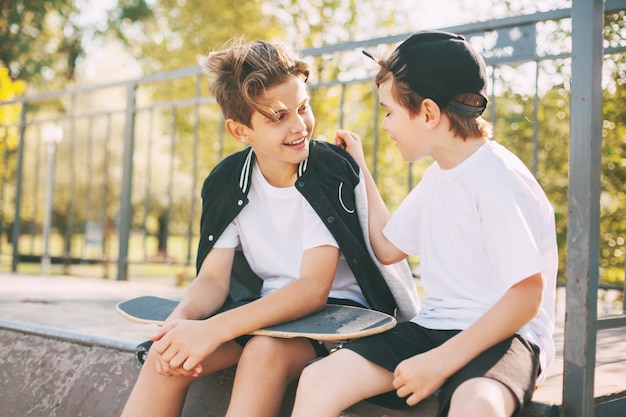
{"points": [[334, 323]]}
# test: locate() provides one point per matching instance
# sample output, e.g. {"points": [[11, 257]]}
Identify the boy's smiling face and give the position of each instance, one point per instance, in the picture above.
{"points": [[282, 143]]}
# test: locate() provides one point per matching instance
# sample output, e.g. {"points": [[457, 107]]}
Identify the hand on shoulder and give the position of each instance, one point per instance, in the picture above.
{"points": [[351, 142]]}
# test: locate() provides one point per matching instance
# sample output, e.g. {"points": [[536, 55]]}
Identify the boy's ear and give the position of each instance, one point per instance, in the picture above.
{"points": [[237, 130], [431, 112]]}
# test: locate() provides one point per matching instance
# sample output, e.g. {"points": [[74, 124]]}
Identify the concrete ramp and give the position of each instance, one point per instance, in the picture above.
{"points": [[50, 372]]}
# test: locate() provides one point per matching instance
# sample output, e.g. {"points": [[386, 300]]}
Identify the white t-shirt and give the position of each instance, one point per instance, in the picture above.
{"points": [[478, 229], [274, 230]]}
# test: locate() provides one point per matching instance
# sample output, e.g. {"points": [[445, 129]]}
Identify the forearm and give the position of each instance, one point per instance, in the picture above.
{"points": [[289, 303], [378, 215], [209, 290], [301, 297], [201, 300]]}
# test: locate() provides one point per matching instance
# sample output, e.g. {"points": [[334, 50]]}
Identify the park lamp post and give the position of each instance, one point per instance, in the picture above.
{"points": [[52, 134]]}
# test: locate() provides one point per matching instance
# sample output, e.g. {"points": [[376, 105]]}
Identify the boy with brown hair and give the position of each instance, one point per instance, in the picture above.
{"points": [[280, 237], [485, 234]]}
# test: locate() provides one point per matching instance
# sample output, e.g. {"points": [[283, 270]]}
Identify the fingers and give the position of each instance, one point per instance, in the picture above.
{"points": [[163, 331], [412, 396], [413, 399], [175, 350], [406, 388], [176, 361], [351, 143], [171, 368], [191, 368], [171, 355], [345, 138], [401, 388]]}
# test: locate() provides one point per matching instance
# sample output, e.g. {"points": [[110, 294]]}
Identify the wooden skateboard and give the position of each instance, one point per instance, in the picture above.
{"points": [[334, 323]]}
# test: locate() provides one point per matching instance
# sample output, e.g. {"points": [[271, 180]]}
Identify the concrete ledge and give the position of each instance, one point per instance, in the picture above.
{"points": [[46, 371]]}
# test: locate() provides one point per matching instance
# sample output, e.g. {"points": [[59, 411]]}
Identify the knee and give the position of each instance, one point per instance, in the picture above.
{"points": [[151, 362], [482, 397], [261, 349], [150, 374], [261, 345], [313, 374]]}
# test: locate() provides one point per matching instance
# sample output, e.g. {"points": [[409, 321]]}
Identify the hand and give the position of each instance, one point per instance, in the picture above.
{"points": [[420, 376], [163, 367], [182, 345], [351, 142]]}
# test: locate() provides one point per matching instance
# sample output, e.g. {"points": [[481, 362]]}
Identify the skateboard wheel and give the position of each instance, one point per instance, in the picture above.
{"points": [[141, 352]]}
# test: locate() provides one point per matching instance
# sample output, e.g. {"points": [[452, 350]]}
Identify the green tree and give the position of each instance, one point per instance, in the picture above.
{"points": [[9, 115], [9, 119], [179, 32], [42, 42], [38, 39], [613, 198]]}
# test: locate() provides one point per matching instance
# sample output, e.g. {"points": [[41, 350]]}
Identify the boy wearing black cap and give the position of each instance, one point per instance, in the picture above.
{"points": [[485, 234]]}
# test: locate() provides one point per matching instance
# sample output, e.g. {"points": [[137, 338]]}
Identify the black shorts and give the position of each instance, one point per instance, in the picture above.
{"points": [[320, 348], [513, 362]]}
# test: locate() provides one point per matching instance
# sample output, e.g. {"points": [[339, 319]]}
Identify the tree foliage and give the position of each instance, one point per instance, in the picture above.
{"points": [[177, 32], [9, 115], [42, 42], [38, 39]]}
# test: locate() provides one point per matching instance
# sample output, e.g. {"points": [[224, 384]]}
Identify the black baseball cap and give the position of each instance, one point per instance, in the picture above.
{"points": [[441, 65]]}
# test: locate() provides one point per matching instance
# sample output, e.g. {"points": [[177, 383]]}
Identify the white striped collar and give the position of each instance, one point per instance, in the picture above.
{"points": [[246, 171]]}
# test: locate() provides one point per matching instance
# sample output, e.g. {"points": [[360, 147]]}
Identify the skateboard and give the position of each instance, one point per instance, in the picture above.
{"points": [[334, 323]]}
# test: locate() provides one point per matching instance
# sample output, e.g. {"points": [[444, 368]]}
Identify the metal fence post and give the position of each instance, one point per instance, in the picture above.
{"points": [[69, 226], [126, 209], [17, 226], [583, 231]]}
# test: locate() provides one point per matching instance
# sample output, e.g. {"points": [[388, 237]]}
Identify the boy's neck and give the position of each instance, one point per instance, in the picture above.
{"points": [[457, 150], [281, 176]]}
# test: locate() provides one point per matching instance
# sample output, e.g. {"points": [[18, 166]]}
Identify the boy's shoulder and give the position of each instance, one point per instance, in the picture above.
{"points": [[232, 163], [326, 153], [234, 160], [230, 171]]}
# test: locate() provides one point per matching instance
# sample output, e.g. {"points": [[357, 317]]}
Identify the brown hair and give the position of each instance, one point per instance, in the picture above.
{"points": [[240, 75], [462, 126]]}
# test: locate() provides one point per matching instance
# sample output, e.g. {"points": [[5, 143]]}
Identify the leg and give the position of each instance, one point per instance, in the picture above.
{"points": [[482, 397], [265, 369], [495, 383], [329, 386], [163, 396]]}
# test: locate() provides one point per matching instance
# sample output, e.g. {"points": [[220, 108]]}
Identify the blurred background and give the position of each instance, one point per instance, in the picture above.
{"points": [[107, 127]]}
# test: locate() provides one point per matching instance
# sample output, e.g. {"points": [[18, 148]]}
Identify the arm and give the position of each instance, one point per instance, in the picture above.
{"points": [[386, 252], [186, 343], [204, 297], [304, 296], [421, 375], [209, 290]]}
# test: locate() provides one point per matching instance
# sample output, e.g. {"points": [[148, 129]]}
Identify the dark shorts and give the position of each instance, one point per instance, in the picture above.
{"points": [[513, 362], [320, 348]]}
